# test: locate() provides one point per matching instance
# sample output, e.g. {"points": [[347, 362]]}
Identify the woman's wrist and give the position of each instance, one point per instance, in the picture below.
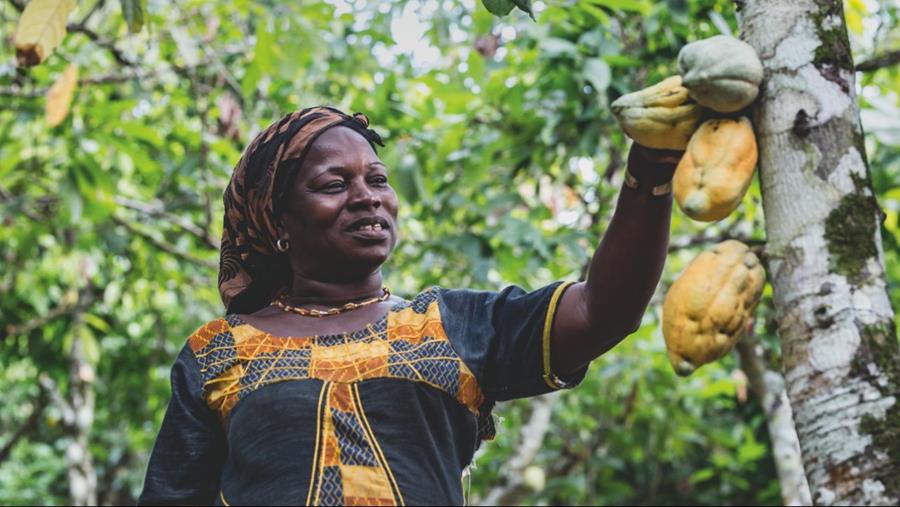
{"points": [[651, 170]]}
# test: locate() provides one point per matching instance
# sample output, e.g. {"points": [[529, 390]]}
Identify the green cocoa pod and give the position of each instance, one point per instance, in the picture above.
{"points": [[721, 73]]}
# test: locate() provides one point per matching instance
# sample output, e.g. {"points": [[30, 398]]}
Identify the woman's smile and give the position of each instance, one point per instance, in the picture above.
{"points": [[370, 229]]}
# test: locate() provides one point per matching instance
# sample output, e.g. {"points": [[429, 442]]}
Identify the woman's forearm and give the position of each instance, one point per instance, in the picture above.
{"points": [[628, 263], [625, 268]]}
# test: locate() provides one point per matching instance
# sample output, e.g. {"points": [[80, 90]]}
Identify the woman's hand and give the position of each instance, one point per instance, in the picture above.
{"points": [[651, 165]]}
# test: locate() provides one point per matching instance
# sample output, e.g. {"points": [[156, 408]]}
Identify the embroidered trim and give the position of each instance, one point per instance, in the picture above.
{"points": [[371, 435], [313, 479], [549, 377], [409, 343], [323, 426], [351, 468]]}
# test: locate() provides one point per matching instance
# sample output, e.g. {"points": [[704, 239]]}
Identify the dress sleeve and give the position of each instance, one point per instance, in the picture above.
{"points": [[504, 338], [190, 449]]}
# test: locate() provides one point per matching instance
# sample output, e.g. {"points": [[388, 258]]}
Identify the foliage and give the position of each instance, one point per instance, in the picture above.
{"points": [[501, 147]]}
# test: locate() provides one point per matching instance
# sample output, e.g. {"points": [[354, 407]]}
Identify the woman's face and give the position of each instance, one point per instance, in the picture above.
{"points": [[340, 215]]}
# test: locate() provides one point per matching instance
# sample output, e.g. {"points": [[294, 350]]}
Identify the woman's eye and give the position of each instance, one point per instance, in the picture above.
{"points": [[379, 181], [334, 185]]}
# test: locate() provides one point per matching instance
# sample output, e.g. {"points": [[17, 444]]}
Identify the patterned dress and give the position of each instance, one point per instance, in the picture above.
{"points": [[385, 415]]}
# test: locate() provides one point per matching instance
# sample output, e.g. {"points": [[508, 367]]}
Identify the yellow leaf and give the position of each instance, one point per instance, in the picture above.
{"points": [[59, 96], [854, 12], [41, 28]]}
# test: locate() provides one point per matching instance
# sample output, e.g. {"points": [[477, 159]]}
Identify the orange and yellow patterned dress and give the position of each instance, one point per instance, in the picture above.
{"points": [[385, 415]]}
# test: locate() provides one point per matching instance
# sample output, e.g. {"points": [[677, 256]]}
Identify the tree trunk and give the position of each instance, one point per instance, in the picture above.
{"points": [[82, 477], [839, 347], [515, 485], [768, 386]]}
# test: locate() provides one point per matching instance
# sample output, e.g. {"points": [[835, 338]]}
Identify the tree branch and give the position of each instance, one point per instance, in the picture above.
{"points": [[5, 197], [879, 62], [48, 385], [39, 93], [510, 491], [203, 106], [165, 247], [106, 44], [97, 6], [40, 404], [69, 305], [704, 240], [157, 209], [768, 386]]}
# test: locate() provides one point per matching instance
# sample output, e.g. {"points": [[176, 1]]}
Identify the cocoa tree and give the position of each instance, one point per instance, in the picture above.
{"points": [[840, 355]]}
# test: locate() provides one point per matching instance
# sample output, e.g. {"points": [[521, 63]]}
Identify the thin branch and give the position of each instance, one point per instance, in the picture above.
{"points": [[79, 303], [768, 386], [106, 44], [165, 247], [533, 433], [87, 17], [40, 404], [881, 61], [704, 240], [203, 106], [115, 78], [68, 412], [110, 78], [157, 209]]}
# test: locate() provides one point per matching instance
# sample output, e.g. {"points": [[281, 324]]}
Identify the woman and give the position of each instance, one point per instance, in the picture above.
{"points": [[320, 387]]}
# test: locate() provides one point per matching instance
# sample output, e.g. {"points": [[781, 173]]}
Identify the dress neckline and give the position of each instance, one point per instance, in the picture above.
{"points": [[378, 326]]}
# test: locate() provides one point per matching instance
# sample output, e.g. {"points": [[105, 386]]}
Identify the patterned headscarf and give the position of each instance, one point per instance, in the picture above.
{"points": [[251, 270]]}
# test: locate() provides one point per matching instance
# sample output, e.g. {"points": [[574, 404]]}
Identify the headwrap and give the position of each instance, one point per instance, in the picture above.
{"points": [[251, 270]]}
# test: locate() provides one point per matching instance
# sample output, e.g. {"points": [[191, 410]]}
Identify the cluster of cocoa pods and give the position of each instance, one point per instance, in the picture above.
{"points": [[709, 306]]}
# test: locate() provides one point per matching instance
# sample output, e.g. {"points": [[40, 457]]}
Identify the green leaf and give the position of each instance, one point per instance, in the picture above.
{"points": [[89, 345], [524, 5], [621, 61], [96, 322], [558, 47], [597, 72], [499, 7], [702, 475], [597, 13], [134, 12], [640, 6]]}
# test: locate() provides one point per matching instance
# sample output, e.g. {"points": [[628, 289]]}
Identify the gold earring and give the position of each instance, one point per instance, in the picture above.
{"points": [[282, 245]]}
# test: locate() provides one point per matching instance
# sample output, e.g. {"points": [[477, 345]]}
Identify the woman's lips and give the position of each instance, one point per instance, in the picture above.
{"points": [[371, 232]]}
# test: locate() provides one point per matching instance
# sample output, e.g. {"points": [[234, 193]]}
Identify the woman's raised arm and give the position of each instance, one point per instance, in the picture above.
{"points": [[596, 315]]}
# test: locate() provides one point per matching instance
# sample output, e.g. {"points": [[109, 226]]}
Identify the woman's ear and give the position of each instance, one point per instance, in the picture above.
{"points": [[281, 228]]}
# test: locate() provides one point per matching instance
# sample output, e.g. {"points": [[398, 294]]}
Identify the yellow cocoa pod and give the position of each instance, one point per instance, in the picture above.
{"points": [[716, 169], [658, 116], [722, 73], [709, 306]]}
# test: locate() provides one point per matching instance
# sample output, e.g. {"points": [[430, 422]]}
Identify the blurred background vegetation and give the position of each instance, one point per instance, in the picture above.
{"points": [[507, 162]]}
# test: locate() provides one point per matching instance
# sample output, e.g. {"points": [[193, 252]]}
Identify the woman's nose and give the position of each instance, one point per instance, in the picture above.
{"points": [[363, 195]]}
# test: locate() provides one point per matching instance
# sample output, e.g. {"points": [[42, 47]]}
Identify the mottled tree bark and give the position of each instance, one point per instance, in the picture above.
{"points": [[82, 477], [768, 386], [515, 484], [77, 408], [840, 355]]}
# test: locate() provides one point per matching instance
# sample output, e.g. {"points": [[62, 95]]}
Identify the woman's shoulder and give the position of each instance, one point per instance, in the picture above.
{"points": [[214, 332]]}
